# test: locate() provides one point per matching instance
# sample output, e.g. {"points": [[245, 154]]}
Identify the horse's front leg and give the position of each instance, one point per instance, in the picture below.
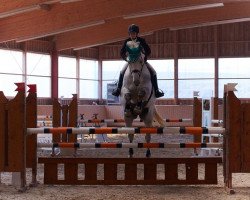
{"points": [[138, 109], [128, 123], [128, 106]]}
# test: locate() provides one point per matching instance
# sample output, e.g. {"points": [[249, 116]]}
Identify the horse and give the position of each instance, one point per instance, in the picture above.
{"points": [[138, 95]]}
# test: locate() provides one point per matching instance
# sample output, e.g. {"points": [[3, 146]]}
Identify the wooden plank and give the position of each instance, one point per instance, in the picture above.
{"points": [[197, 117], [110, 172], [16, 133], [3, 131], [148, 24], [130, 172], [71, 173], [65, 110], [191, 172], [7, 5], [72, 118], [150, 172], [2, 137], [171, 172], [215, 114], [31, 140], [211, 173], [233, 133], [80, 16], [130, 160], [215, 108], [90, 171], [56, 118], [245, 141], [50, 173]]}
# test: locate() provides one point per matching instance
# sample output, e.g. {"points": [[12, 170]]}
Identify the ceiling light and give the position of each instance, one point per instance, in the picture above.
{"points": [[210, 23], [69, 1], [172, 10], [33, 7], [96, 23], [19, 11]]}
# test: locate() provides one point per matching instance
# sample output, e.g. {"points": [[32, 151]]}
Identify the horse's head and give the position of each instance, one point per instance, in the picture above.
{"points": [[135, 60], [136, 70]]}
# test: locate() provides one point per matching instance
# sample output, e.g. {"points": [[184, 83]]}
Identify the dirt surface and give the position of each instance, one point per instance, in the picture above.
{"points": [[241, 182]]}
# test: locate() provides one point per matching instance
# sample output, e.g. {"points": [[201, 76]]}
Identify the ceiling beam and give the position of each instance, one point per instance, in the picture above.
{"points": [[115, 29], [13, 7], [65, 17]]}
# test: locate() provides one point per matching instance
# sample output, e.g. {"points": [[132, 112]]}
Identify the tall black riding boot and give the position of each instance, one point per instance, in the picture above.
{"points": [[158, 93], [116, 92]]}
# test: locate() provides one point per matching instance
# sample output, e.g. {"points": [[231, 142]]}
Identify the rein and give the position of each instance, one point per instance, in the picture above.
{"points": [[139, 72]]}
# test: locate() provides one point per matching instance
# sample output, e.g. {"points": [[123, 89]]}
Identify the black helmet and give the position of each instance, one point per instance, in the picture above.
{"points": [[133, 28]]}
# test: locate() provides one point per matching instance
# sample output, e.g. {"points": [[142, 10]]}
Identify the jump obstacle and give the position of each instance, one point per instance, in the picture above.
{"points": [[18, 114]]}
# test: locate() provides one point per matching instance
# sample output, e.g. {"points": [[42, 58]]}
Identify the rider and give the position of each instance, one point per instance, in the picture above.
{"points": [[133, 31]]}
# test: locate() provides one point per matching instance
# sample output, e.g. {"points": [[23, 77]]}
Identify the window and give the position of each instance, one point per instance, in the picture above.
{"points": [[88, 79], [43, 85], [11, 71], [235, 70], [67, 77], [196, 75], [110, 74], [7, 83], [39, 73], [165, 76]]}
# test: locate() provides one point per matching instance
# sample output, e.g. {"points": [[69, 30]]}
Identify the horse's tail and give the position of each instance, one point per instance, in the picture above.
{"points": [[159, 119]]}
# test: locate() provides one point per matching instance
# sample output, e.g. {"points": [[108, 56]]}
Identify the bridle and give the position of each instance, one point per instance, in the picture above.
{"points": [[137, 71]]}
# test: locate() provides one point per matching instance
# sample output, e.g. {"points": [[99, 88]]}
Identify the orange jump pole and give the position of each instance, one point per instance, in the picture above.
{"points": [[122, 120], [128, 130], [130, 145]]}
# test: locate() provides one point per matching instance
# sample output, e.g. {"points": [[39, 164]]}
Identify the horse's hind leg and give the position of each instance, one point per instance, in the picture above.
{"points": [[129, 122]]}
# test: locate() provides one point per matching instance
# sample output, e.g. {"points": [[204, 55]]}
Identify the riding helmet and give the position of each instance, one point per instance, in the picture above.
{"points": [[133, 28]]}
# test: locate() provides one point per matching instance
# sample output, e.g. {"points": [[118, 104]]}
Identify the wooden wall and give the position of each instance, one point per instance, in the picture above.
{"points": [[232, 40]]}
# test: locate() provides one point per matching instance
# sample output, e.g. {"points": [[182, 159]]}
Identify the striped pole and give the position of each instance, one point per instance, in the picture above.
{"points": [[129, 130], [216, 121], [130, 145], [122, 120], [44, 117]]}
